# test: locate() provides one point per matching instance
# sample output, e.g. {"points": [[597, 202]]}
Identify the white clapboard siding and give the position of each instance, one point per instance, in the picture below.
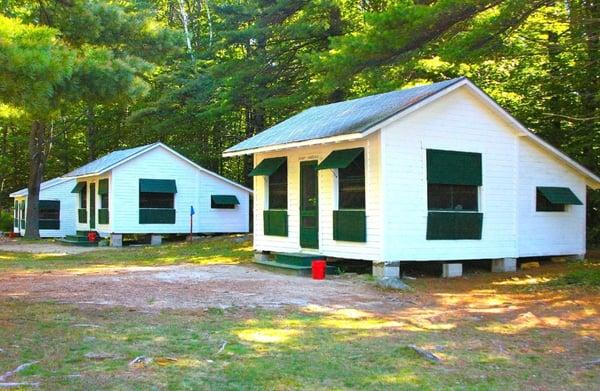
{"points": [[458, 122], [68, 212], [548, 233], [370, 250], [194, 188]]}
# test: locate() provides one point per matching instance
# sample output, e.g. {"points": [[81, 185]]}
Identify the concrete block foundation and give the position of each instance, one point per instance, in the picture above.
{"points": [[503, 265], [155, 240], [451, 270], [116, 240], [386, 269]]}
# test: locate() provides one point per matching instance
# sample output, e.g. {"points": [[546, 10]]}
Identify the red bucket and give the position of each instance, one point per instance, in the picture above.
{"points": [[318, 269], [92, 236]]}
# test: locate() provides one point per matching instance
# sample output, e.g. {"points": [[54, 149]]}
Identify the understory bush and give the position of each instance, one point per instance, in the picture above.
{"points": [[6, 221]]}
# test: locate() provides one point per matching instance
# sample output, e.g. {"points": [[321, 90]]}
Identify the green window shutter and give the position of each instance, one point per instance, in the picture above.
{"points": [[22, 224], [103, 216], [224, 200], [340, 159], [158, 186], [82, 216], [49, 224], [350, 225], [453, 168], [103, 186], [49, 205], [268, 166], [157, 216], [275, 222], [559, 195], [78, 187], [454, 226]]}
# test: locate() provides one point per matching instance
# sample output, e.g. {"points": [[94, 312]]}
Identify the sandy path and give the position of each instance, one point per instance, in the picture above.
{"points": [[191, 286]]}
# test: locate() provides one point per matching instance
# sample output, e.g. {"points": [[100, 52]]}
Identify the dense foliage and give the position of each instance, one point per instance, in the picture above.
{"points": [[79, 78]]}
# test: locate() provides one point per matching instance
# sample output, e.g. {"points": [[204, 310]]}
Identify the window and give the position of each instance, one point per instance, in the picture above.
{"points": [[223, 201], [49, 214], [278, 188], [103, 193], [351, 184], [453, 180], [543, 205], [555, 199], [83, 197], [157, 200], [452, 197]]}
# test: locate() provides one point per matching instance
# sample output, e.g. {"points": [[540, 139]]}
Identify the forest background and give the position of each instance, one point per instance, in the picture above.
{"points": [[81, 78]]}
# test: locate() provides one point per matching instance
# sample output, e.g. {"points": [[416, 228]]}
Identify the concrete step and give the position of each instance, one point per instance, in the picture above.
{"points": [[299, 259]]}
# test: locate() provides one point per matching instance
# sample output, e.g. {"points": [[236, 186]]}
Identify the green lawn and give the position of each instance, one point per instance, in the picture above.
{"points": [[214, 250], [491, 333]]}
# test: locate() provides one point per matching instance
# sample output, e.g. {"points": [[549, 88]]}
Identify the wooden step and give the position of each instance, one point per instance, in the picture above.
{"points": [[299, 259], [294, 269]]}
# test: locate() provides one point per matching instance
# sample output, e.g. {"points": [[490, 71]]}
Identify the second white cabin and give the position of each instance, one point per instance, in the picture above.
{"points": [[153, 190]]}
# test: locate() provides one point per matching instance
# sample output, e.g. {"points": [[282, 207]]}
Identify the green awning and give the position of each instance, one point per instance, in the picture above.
{"points": [[49, 205], [560, 195], [453, 168], [224, 200], [103, 186], [158, 186], [78, 187], [268, 166], [340, 159]]}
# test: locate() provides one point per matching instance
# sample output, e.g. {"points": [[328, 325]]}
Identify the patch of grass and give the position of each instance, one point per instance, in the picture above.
{"points": [[586, 274], [218, 250], [262, 350]]}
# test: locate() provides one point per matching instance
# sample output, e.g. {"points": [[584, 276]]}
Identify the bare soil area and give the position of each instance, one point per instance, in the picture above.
{"points": [[190, 287], [44, 247]]}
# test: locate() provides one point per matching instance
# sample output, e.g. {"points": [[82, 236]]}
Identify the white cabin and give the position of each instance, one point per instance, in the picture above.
{"points": [[433, 173], [56, 209], [151, 190]]}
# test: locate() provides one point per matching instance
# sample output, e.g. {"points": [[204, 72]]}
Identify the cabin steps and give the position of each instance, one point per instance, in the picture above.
{"points": [[294, 263], [79, 239]]}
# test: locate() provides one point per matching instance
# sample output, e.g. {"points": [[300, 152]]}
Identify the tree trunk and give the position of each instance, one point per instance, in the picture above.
{"points": [[37, 162], [91, 134]]}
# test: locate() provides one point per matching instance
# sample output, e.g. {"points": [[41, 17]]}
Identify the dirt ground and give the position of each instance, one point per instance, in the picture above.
{"points": [[49, 247], [190, 287]]}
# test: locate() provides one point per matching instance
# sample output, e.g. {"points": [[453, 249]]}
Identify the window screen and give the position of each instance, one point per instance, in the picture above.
{"points": [[157, 200], [452, 197], [278, 188], [351, 184]]}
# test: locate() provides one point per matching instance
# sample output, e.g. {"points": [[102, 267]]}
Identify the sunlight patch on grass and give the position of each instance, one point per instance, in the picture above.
{"points": [[527, 280], [526, 321], [267, 335]]}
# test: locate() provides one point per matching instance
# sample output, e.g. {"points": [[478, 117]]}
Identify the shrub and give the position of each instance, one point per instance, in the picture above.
{"points": [[6, 221], [587, 275]]}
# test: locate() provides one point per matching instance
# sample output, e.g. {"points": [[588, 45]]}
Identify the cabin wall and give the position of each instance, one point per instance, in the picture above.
{"points": [[193, 189], [458, 122], [327, 185], [62, 193], [548, 233]]}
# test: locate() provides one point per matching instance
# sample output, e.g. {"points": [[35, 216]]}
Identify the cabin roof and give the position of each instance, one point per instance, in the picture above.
{"points": [[116, 158], [43, 186], [342, 118], [107, 161]]}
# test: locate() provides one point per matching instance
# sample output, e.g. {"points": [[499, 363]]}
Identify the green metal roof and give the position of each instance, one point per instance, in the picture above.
{"points": [[352, 116], [560, 195]]}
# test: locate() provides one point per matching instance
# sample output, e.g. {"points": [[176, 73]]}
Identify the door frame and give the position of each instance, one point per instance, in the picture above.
{"points": [[92, 218], [302, 212]]}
